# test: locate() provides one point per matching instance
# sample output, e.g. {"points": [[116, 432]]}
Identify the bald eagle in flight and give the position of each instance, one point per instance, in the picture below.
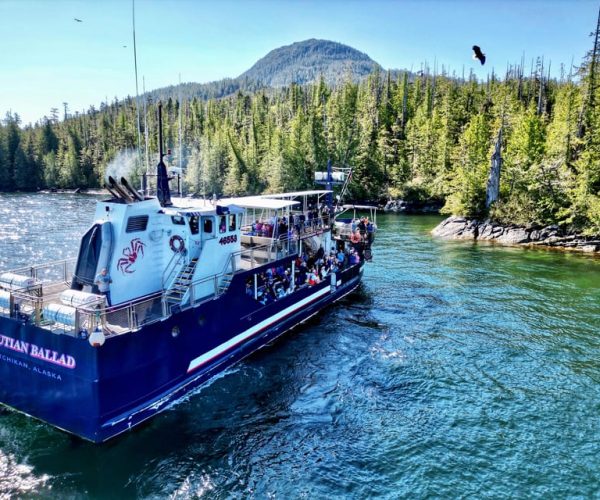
{"points": [[478, 55]]}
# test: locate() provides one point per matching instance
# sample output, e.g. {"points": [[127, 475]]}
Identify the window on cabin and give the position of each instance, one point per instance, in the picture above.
{"points": [[136, 223], [222, 224], [194, 224], [178, 220], [232, 222], [208, 225]]}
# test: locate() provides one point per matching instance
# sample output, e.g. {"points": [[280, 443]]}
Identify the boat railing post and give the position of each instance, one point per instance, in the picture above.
{"points": [[76, 326], [164, 305], [132, 318], [293, 283]]}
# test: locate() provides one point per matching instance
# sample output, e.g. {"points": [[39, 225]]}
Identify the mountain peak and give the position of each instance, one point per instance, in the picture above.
{"points": [[304, 62]]}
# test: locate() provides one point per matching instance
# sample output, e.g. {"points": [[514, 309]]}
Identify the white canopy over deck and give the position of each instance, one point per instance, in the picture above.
{"points": [[258, 202], [297, 194], [304, 195]]}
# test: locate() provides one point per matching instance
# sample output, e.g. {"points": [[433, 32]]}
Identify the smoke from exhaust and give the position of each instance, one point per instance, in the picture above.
{"points": [[123, 165]]}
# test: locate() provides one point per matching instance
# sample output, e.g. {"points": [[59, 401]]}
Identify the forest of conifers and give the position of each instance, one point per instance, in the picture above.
{"points": [[423, 137]]}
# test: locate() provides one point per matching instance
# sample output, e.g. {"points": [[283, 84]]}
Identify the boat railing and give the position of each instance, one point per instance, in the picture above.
{"points": [[124, 318], [298, 228], [49, 272], [345, 229], [171, 269], [284, 245], [27, 304], [45, 282]]}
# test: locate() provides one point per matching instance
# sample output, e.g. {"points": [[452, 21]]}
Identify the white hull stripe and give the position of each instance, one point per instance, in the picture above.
{"points": [[231, 343]]}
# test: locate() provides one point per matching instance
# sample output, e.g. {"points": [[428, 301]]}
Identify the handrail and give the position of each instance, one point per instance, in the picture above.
{"points": [[34, 271], [168, 273]]}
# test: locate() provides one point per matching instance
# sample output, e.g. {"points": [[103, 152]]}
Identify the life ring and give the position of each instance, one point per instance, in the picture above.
{"points": [[355, 238], [177, 244]]}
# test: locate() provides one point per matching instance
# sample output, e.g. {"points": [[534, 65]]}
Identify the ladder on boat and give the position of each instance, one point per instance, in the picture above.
{"points": [[224, 282], [179, 288]]}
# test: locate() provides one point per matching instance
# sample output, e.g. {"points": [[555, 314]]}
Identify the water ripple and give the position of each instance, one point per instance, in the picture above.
{"points": [[456, 370]]}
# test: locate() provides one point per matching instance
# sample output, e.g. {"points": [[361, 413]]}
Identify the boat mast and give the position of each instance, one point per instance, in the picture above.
{"points": [[179, 183], [163, 192], [144, 185], [137, 94]]}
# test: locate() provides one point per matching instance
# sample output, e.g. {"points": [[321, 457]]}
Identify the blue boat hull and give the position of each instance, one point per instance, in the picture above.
{"points": [[98, 393]]}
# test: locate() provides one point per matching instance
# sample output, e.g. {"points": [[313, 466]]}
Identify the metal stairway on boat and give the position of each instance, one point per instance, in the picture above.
{"points": [[225, 282], [180, 286]]}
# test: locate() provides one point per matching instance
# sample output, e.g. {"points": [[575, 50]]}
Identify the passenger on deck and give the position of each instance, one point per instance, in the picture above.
{"points": [[280, 291], [282, 230], [341, 257], [286, 281], [362, 227], [325, 215], [103, 282], [313, 278], [324, 272], [301, 278], [370, 231]]}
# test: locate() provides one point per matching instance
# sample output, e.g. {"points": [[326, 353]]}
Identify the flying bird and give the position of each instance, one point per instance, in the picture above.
{"points": [[478, 55], [78, 20]]}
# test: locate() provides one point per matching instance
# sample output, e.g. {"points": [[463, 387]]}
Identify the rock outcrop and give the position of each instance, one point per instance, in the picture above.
{"points": [[412, 207], [462, 228]]}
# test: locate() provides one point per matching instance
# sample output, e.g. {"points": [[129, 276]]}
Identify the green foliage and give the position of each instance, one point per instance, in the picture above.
{"points": [[467, 196], [415, 137]]}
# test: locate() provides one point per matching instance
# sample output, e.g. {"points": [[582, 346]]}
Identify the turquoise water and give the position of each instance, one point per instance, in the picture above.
{"points": [[456, 370]]}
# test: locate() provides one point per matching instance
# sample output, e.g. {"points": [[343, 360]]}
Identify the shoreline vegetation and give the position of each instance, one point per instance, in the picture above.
{"points": [[521, 148]]}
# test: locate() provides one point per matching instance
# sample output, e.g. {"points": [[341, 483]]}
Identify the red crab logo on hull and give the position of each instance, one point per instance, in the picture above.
{"points": [[130, 255]]}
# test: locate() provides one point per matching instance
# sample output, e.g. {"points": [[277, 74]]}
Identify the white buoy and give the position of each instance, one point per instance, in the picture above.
{"points": [[97, 338]]}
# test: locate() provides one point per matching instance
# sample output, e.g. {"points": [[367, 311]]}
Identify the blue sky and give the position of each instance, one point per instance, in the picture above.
{"points": [[48, 58]]}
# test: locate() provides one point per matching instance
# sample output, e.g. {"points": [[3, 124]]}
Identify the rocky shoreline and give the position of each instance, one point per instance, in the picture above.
{"points": [[413, 207], [463, 228]]}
